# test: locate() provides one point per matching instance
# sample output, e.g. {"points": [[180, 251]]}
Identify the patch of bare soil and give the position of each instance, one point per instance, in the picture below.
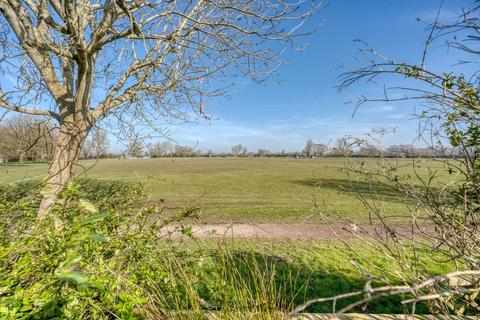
{"points": [[284, 230]]}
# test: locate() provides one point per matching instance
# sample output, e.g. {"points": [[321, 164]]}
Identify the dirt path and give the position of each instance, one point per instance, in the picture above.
{"points": [[278, 230]]}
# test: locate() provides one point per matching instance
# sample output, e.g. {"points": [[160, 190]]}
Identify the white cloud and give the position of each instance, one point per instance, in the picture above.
{"points": [[375, 109], [278, 134]]}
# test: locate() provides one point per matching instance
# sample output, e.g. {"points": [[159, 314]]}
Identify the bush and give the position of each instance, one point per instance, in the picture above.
{"points": [[68, 265]]}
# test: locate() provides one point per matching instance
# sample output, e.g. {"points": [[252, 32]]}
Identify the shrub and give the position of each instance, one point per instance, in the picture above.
{"points": [[83, 261]]}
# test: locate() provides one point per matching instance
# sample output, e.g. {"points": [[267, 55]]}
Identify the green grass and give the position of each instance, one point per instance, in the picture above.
{"points": [[301, 270], [241, 189]]}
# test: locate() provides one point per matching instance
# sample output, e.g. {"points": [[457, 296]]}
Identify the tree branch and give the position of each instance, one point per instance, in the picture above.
{"points": [[34, 112]]}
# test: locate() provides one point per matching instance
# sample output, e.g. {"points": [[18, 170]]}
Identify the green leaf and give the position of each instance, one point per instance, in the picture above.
{"points": [[98, 238], [93, 219], [72, 261], [453, 142], [88, 206], [76, 277]]}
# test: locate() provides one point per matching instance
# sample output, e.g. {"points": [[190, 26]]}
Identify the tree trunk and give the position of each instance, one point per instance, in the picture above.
{"points": [[62, 167]]}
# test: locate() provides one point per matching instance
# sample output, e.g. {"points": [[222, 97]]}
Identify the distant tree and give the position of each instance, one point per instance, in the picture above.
{"points": [[184, 151], [100, 142], [87, 150], [244, 151], [154, 150], [343, 147], [26, 138], [308, 150], [401, 151], [8, 148], [263, 152], [429, 153], [313, 149], [320, 149], [409, 150], [135, 148], [369, 151], [237, 150], [160, 149], [96, 145]]}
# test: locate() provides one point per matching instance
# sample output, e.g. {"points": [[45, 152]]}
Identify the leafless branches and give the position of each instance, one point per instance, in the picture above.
{"points": [[26, 138], [137, 52], [441, 197], [455, 283]]}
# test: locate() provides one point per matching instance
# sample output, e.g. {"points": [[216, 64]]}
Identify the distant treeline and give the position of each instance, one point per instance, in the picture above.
{"points": [[342, 148], [391, 152], [25, 138]]}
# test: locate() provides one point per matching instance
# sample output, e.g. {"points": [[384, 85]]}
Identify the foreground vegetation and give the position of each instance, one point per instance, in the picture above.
{"points": [[242, 189], [102, 258]]}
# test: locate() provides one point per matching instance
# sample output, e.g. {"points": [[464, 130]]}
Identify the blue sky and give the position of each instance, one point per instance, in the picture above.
{"points": [[302, 102]]}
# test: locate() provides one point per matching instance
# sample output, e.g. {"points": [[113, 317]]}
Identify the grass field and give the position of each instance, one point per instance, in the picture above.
{"points": [[242, 189]]}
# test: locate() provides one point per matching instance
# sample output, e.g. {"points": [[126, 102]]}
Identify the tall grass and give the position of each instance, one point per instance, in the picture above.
{"points": [[245, 286]]}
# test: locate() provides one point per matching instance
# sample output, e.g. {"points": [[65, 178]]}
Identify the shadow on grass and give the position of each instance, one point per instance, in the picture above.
{"points": [[94, 190], [21, 164], [369, 190], [287, 284]]}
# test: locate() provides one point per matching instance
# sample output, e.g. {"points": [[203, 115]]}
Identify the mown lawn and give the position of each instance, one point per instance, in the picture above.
{"points": [[244, 189]]}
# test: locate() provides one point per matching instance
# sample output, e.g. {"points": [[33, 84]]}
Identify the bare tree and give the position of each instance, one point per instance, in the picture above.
{"points": [[237, 150], [96, 146], [244, 151], [135, 148], [401, 151], [100, 142], [263, 152], [26, 138], [87, 150], [369, 150], [83, 61], [344, 147], [184, 151], [308, 150], [313, 149], [320, 149], [160, 149]]}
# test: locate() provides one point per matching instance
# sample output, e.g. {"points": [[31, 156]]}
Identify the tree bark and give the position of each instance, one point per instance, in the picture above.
{"points": [[62, 167]]}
